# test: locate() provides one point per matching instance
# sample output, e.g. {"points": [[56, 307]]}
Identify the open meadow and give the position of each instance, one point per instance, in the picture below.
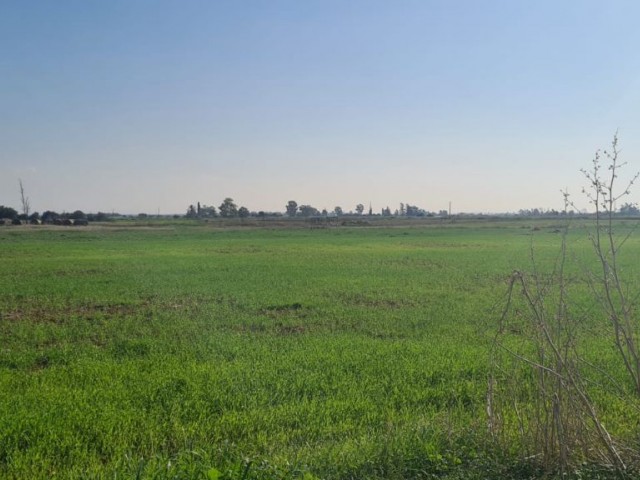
{"points": [[192, 351]]}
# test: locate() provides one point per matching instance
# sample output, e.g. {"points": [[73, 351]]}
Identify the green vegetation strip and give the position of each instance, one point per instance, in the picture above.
{"points": [[194, 352]]}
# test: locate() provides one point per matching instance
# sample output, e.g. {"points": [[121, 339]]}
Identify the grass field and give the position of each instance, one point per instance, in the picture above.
{"points": [[190, 351]]}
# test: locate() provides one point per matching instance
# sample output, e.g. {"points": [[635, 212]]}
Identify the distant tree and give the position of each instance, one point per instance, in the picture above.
{"points": [[386, 212], [370, 209], [338, 211], [8, 212], [78, 215], [49, 216], [198, 209], [324, 212], [228, 208], [534, 212], [207, 211], [359, 209], [243, 212], [191, 212], [34, 216], [629, 209], [402, 211], [443, 213], [292, 208], [308, 211], [414, 211], [93, 217]]}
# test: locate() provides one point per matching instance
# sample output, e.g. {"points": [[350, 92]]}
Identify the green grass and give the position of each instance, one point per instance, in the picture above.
{"points": [[185, 351]]}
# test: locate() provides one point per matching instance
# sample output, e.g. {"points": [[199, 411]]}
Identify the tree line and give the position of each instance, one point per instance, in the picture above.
{"points": [[229, 209], [49, 216]]}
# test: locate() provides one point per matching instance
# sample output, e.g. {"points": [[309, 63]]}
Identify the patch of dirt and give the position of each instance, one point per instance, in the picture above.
{"points": [[370, 301], [287, 310], [42, 313], [283, 308], [278, 329], [287, 330], [58, 314], [40, 363]]}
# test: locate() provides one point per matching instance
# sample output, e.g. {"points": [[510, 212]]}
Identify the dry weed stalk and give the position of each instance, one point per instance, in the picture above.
{"points": [[539, 385], [607, 284]]}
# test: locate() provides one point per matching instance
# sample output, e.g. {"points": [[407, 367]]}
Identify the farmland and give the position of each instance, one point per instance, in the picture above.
{"points": [[181, 351]]}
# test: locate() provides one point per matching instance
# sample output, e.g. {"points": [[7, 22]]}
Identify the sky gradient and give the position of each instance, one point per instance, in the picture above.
{"points": [[145, 106]]}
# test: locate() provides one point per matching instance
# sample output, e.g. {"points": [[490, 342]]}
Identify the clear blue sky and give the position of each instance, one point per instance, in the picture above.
{"points": [[136, 106]]}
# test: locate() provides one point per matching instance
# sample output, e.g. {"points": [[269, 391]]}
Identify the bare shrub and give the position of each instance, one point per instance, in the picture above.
{"points": [[538, 399], [607, 283]]}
